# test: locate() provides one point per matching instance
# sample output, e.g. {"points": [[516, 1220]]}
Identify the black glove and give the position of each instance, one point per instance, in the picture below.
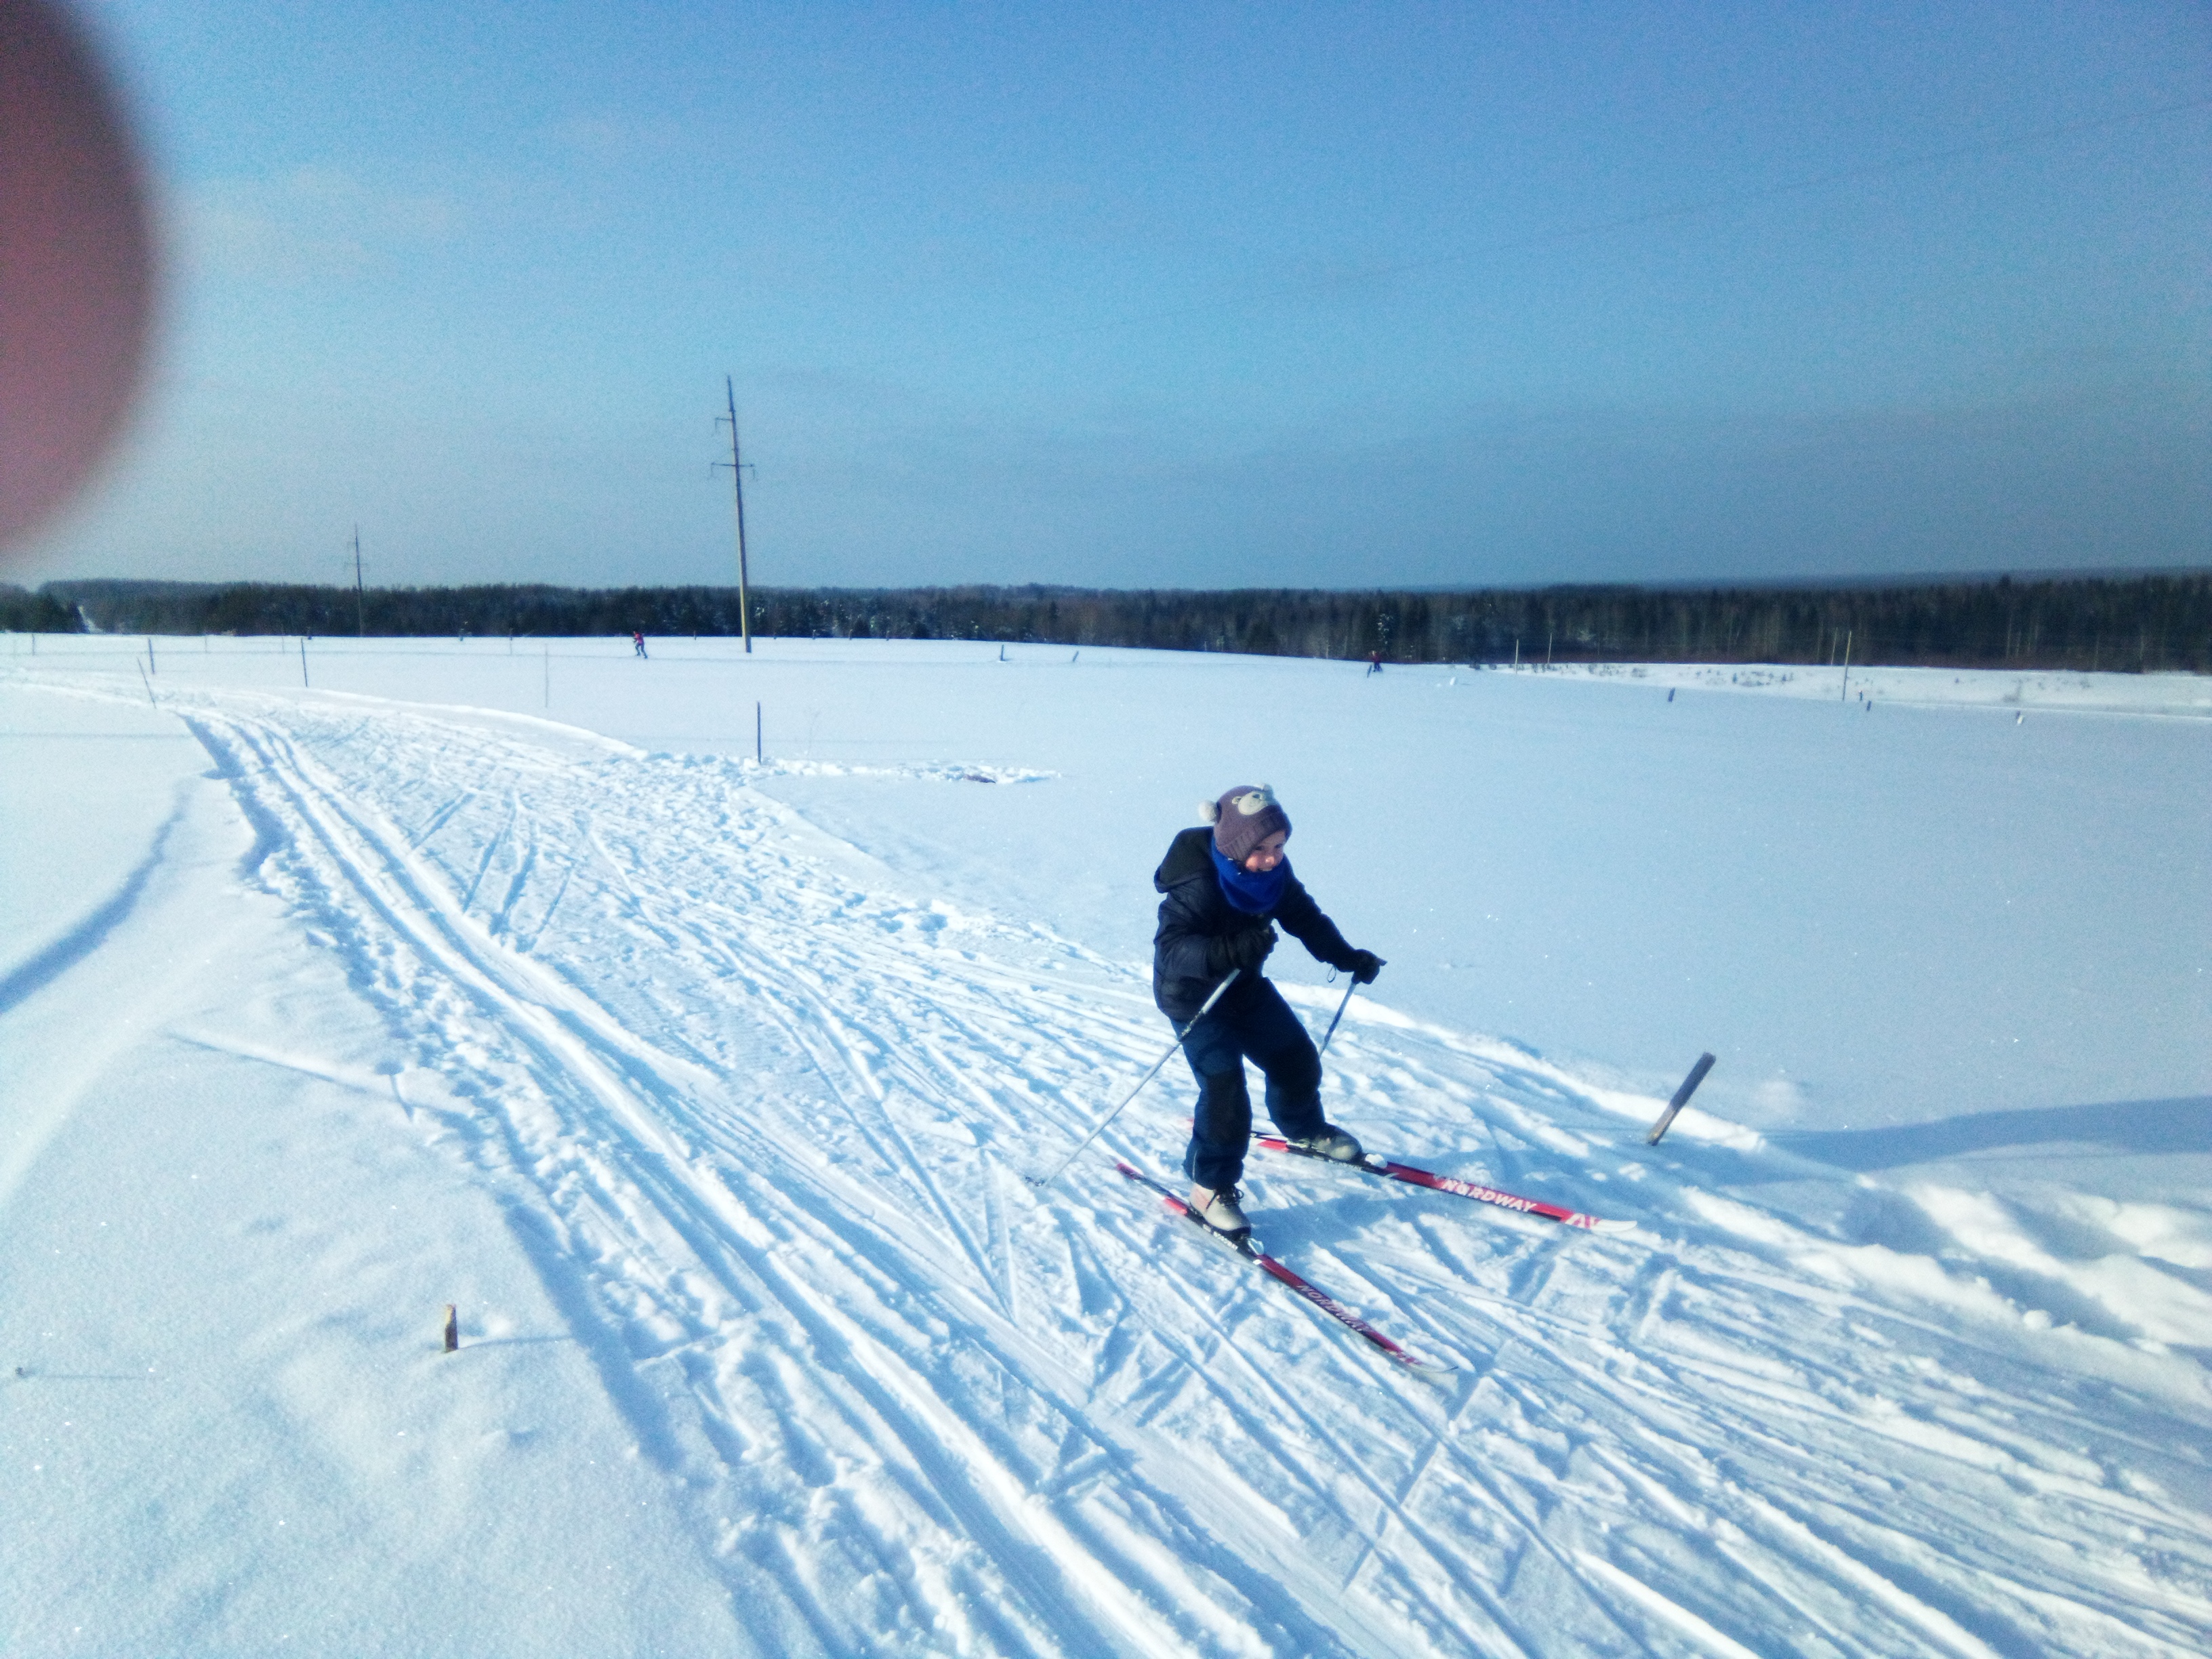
{"points": [[1365, 964], [1246, 948]]}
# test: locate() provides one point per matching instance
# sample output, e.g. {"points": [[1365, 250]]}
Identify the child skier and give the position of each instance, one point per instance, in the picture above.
{"points": [[1223, 889]]}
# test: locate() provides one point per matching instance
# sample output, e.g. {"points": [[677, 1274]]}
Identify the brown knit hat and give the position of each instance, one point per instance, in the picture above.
{"points": [[1243, 818]]}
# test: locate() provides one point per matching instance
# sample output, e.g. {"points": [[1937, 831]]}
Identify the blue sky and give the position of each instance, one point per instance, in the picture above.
{"points": [[1189, 296]]}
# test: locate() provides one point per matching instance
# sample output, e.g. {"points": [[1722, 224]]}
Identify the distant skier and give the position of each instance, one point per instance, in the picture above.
{"points": [[1223, 890], [1374, 662], [637, 640]]}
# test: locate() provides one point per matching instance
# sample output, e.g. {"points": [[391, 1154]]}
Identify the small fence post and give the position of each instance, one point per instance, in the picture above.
{"points": [[453, 1328], [1681, 1099]]}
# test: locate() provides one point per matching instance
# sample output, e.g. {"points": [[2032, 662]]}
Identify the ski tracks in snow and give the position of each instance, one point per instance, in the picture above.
{"points": [[758, 1118]]}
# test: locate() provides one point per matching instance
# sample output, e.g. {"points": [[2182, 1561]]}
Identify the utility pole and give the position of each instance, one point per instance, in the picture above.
{"points": [[737, 465], [360, 601]]}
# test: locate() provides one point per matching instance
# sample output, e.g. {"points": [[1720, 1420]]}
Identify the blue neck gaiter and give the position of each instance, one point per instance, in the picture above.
{"points": [[1253, 895]]}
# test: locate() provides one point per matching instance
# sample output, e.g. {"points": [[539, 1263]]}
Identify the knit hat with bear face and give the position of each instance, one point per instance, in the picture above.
{"points": [[1243, 818]]}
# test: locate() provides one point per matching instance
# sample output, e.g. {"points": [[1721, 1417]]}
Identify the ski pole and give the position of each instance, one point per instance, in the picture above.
{"points": [[1341, 1007], [1205, 1009]]}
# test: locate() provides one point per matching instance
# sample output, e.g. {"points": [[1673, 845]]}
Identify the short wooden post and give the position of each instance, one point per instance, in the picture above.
{"points": [[453, 1328], [303, 660], [1681, 1099]]}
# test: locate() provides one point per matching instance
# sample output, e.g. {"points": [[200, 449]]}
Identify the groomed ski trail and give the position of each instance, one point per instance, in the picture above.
{"points": [[755, 1112]]}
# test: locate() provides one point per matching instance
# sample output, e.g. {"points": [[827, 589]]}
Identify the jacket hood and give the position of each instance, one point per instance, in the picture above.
{"points": [[1189, 854]]}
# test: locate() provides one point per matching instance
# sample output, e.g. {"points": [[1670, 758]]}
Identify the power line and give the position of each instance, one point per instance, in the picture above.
{"points": [[1643, 216]]}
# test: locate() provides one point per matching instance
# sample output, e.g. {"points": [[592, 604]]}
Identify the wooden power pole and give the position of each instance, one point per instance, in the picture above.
{"points": [[737, 465], [360, 600]]}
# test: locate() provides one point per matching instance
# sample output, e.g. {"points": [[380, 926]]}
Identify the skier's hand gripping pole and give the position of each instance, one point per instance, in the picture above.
{"points": [[1205, 1009]]}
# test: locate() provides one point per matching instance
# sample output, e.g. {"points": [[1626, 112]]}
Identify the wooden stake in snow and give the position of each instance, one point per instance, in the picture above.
{"points": [[453, 1328], [303, 660], [1681, 1099]]}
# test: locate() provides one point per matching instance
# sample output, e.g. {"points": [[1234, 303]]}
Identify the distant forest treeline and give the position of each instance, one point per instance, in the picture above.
{"points": [[2133, 622]]}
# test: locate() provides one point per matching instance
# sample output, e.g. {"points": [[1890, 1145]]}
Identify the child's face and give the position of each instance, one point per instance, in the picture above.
{"points": [[1267, 854]]}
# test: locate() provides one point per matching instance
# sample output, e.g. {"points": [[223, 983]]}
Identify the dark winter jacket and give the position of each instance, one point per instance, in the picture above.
{"points": [[1194, 914]]}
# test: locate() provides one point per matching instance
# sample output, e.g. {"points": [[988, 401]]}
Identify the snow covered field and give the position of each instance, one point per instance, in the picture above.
{"points": [[502, 975]]}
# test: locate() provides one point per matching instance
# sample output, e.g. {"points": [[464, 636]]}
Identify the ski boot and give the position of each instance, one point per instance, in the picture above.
{"points": [[1217, 1208], [1332, 1143]]}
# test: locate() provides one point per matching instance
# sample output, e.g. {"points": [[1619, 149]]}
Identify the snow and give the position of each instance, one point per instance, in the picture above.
{"points": [[503, 975]]}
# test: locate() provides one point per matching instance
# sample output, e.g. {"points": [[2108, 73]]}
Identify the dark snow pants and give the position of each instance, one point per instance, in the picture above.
{"points": [[1251, 1023]]}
